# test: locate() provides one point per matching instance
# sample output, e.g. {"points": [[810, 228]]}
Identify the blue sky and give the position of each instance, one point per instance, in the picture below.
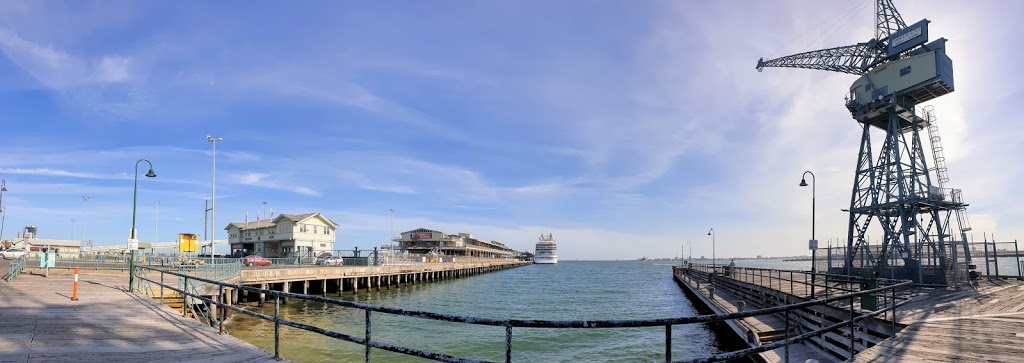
{"points": [[624, 128]]}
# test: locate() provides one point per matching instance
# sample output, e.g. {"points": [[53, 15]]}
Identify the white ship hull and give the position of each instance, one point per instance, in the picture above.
{"points": [[546, 252], [545, 260]]}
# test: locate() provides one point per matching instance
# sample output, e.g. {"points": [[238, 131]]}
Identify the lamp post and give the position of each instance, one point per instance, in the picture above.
{"points": [[85, 205], [135, 194], [714, 260], [213, 198], [2, 221], [813, 243], [690, 245], [3, 188]]}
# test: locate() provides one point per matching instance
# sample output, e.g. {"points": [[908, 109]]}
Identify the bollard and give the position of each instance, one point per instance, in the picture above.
{"points": [[740, 305], [74, 290], [711, 292]]}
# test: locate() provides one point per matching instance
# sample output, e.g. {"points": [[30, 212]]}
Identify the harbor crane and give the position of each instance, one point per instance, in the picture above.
{"points": [[899, 69]]}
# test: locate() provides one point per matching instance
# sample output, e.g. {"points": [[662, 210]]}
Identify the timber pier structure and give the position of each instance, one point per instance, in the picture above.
{"points": [[858, 319], [335, 280]]}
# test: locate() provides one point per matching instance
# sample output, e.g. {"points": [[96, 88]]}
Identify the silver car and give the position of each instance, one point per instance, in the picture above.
{"points": [[13, 253], [331, 261]]}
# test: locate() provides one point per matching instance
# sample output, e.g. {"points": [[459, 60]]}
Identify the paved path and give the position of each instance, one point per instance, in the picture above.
{"points": [[39, 323]]}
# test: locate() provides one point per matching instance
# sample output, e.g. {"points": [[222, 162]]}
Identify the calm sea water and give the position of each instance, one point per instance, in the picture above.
{"points": [[570, 290]]}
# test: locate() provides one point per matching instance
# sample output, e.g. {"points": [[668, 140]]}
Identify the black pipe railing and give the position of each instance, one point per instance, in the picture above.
{"points": [[508, 324]]}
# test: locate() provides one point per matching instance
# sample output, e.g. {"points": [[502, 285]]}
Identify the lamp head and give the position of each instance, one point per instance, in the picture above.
{"points": [[803, 182], [709, 233], [4, 189], [151, 174]]}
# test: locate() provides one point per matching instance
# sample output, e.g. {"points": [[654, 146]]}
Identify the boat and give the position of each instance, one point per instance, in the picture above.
{"points": [[547, 251]]}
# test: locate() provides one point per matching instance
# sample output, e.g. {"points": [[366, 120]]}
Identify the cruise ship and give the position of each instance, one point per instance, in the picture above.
{"points": [[547, 250]]}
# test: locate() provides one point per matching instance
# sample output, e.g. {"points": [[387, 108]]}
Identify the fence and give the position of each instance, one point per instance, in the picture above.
{"points": [[990, 259], [508, 324]]}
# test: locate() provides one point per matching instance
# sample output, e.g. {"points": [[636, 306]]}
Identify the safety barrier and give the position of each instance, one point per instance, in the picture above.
{"points": [[507, 324]]}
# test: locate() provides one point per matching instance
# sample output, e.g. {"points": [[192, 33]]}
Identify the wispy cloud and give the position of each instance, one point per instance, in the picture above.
{"points": [[62, 173]]}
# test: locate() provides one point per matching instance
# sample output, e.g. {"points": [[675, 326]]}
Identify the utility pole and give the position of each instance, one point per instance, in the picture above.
{"points": [[213, 198], [85, 206]]}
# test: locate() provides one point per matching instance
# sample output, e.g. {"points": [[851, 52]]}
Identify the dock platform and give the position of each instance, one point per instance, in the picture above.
{"points": [[40, 323], [983, 322]]}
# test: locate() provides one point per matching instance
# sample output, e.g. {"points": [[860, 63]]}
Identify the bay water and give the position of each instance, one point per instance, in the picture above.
{"points": [[569, 290]]}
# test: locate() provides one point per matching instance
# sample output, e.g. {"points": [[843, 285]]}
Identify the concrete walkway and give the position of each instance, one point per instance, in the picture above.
{"points": [[40, 323]]}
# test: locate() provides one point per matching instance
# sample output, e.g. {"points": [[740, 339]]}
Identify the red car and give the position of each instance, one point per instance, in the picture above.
{"points": [[256, 260]]}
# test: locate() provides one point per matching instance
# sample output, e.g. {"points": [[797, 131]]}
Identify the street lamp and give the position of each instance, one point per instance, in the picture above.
{"points": [[813, 243], [85, 205], [714, 260], [135, 194], [2, 221], [213, 198], [3, 188]]}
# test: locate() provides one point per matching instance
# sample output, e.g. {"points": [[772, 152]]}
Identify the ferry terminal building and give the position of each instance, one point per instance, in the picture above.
{"points": [[423, 241]]}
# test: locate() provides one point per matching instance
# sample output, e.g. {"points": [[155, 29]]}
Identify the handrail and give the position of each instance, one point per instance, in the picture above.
{"points": [[508, 324], [16, 266]]}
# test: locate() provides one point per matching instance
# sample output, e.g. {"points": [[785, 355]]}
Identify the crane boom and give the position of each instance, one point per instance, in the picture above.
{"points": [[887, 19], [852, 59]]}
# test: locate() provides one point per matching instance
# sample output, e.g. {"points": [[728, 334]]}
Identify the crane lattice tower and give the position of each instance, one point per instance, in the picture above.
{"points": [[898, 70]]}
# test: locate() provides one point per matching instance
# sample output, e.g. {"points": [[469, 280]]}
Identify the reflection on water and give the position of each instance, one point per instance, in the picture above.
{"points": [[570, 290]]}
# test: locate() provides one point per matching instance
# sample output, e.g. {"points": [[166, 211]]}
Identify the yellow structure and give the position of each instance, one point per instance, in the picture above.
{"points": [[188, 242]]}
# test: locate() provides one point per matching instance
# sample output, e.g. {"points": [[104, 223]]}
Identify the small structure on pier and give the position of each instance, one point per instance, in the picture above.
{"points": [[305, 235]]}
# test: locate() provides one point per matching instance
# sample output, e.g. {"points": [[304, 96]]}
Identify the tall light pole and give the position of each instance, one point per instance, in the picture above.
{"points": [[3, 188], [690, 245], [85, 205], [135, 194], [2, 221], [813, 244], [213, 198], [714, 260]]}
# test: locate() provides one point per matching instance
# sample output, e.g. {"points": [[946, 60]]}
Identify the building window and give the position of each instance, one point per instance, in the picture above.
{"points": [[323, 245]]}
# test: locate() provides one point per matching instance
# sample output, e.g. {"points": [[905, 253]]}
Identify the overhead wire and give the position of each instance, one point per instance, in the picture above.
{"points": [[829, 22]]}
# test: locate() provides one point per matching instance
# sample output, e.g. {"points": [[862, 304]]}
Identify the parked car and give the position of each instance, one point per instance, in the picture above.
{"points": [[256, 260], [13, 253], [331, 261]]}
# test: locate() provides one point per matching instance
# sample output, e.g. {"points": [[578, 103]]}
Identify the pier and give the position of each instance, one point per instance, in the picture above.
{"points": [[324, 280], [39, 322], [914, 323]]}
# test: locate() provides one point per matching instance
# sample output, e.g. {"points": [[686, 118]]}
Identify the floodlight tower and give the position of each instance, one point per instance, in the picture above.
{"points": [[898, 70]]}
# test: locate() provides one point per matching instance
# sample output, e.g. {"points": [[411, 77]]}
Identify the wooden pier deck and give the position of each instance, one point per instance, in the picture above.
{"points": [[983, 323], [40, 323]]}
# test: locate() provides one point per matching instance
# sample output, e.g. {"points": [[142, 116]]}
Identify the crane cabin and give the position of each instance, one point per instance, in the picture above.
{"points": [[924, 74]]}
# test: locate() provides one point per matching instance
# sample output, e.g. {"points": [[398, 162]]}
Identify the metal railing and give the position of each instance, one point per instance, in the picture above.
{"points": [[509, 324], [16, 266]]}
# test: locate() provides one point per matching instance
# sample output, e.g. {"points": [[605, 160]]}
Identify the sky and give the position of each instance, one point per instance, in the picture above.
{"points": [[624, 128]]}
